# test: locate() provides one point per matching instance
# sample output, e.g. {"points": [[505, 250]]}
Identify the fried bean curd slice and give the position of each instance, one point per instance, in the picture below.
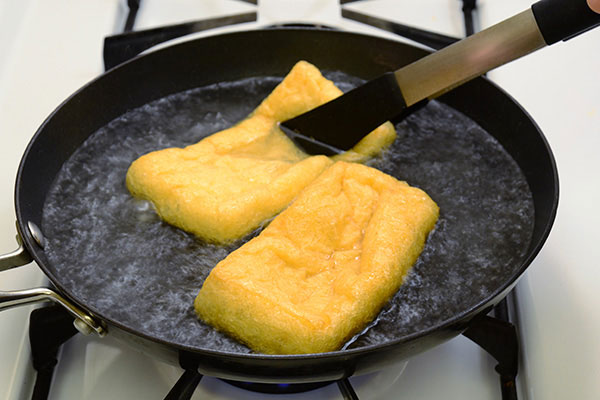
{"points": [[324, 267], [228, 184]]}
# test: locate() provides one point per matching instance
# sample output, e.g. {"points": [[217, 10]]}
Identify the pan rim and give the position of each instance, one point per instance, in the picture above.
{"points": [[450, 323]]}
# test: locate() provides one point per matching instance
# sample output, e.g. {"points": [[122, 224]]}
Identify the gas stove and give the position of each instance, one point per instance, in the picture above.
{"points": [[50, 49]]}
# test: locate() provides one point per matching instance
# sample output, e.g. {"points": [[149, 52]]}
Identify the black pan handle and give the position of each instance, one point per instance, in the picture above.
{"points": [[564, 19]]}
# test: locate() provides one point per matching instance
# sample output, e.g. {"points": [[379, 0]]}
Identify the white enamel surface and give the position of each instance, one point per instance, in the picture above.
{"points": [[560, 294], [49, 49]]}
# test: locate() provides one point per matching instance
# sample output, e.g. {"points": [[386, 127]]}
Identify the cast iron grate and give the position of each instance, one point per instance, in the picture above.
{"points": [[52, 326]]}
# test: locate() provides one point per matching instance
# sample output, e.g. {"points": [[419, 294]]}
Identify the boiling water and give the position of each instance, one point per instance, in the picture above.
{"points": [[113, 252]]}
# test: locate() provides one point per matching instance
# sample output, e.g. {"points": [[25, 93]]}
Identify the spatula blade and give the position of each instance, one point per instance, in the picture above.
{"points": [[344, 121], [310, 145]]}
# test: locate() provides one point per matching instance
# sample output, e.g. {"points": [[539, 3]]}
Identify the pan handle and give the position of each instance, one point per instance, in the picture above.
{"points": [[84, 322], [16, 258]]}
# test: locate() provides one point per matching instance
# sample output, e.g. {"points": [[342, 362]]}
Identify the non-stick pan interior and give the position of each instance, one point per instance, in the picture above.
{"points": [[114, 254]]}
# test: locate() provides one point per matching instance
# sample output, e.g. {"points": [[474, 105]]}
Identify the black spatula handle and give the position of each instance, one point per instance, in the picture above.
{"points": [[564, 19]]}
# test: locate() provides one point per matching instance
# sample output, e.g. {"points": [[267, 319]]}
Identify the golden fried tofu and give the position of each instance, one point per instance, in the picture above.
{"points": [[229, 183], [324, 267]]}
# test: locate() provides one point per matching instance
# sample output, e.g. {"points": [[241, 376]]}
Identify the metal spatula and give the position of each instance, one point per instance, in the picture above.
{"points": [[339, 124]]}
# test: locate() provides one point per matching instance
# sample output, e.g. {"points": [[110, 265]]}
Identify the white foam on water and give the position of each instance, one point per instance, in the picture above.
{"points": [[113, 251]]}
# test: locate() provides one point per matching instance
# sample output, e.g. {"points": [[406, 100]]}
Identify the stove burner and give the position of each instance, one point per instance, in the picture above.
{"points": [[189, 380], [302, 25], [278, 388]]}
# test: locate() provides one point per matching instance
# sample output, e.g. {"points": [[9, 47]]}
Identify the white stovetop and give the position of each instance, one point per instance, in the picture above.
{"points": [[49, 49]]}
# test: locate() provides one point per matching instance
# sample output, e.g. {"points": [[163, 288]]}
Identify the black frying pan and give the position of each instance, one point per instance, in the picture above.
{"points": [[475, 151]]}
